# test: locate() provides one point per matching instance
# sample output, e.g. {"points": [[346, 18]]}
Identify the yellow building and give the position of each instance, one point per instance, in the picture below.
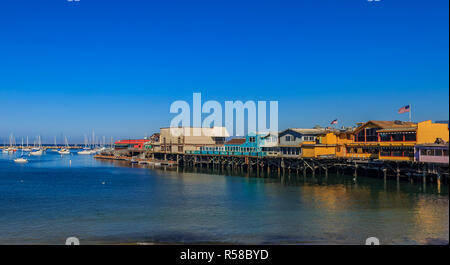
{"points": [[325, 146], [389, 140], [328, 144], [393, 140]]}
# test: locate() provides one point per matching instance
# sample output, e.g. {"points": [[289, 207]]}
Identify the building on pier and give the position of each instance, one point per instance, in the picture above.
{"points": [[330, 143], [251, 145], [388, 140], [432, 153], [393, 140], [130, 143], [269, 144], [290, 140], [325, 145], [152, 141], [182, 139], [234, 145]]}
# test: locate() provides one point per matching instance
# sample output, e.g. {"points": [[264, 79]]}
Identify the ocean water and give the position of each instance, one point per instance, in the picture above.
{"points": [[108, 202]]}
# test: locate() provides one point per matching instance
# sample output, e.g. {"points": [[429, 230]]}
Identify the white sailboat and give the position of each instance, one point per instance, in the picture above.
{"points": [[86, 150], [38, 151], [55, 147], [5, 149], [12, 143], [27, 149], [65, 151], [21, 159]]}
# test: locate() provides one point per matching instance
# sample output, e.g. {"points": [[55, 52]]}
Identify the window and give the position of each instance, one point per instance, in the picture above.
{"points": [[408, 153], [438, 152], [371, 135], [410, 137], [385, 137], [385, 152], [397, 137], [360, 136], [430, 152], [288, 138], [180, 148], [445, 152], [252, 139], [397, 153], [423, 152]]}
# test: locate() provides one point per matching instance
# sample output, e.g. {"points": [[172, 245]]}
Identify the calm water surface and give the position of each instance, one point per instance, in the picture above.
{"points": [[54, 197]]}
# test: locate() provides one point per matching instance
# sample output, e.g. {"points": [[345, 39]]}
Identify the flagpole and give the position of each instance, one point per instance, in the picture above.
{"points": [[410, 109]]}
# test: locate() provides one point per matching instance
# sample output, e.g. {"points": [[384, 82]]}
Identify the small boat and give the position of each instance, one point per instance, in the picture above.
{"points": [[21, 160], [64, 151], [85, 152], [27, 149], [36, 152]]}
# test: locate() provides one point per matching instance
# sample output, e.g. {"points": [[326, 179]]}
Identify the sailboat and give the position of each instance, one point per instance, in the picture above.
{"points": [[55, 147], [27, 149], [11, 149], [5, 149], [65, 151], [21, 159], [86, 150], [38, 151]]}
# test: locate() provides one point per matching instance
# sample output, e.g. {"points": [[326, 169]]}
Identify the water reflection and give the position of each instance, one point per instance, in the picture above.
{"points": [[117, 202]]}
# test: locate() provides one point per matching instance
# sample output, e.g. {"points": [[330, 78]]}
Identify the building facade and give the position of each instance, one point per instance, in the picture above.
{"points": [[393, 140], [291, 140], [179, 140], [432, 153], [130, 143]]}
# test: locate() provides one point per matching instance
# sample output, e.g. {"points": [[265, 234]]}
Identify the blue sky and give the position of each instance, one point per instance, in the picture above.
{"points": [[116, 66]]}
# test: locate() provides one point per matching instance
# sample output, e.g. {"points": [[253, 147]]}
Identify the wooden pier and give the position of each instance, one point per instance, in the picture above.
{"points": [[400, 170]]}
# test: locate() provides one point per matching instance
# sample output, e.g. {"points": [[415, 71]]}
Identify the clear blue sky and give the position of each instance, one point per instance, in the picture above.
{"points": [[116, 66]]}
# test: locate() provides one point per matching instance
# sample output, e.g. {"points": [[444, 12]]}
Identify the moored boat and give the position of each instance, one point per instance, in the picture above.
{"points": [[64, 151], [85, 152], [21, 160], [36, 152]]}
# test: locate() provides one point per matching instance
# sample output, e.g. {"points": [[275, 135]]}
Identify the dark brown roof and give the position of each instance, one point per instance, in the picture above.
{"points": [[236, 141], [389, 124]]}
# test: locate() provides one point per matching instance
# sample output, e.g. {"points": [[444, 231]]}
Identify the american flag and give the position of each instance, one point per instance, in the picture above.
{"points": [[404, 109], [334, 121]]}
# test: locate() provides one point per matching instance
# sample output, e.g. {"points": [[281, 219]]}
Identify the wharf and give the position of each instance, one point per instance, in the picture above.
{"points": [[400, 170]]}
